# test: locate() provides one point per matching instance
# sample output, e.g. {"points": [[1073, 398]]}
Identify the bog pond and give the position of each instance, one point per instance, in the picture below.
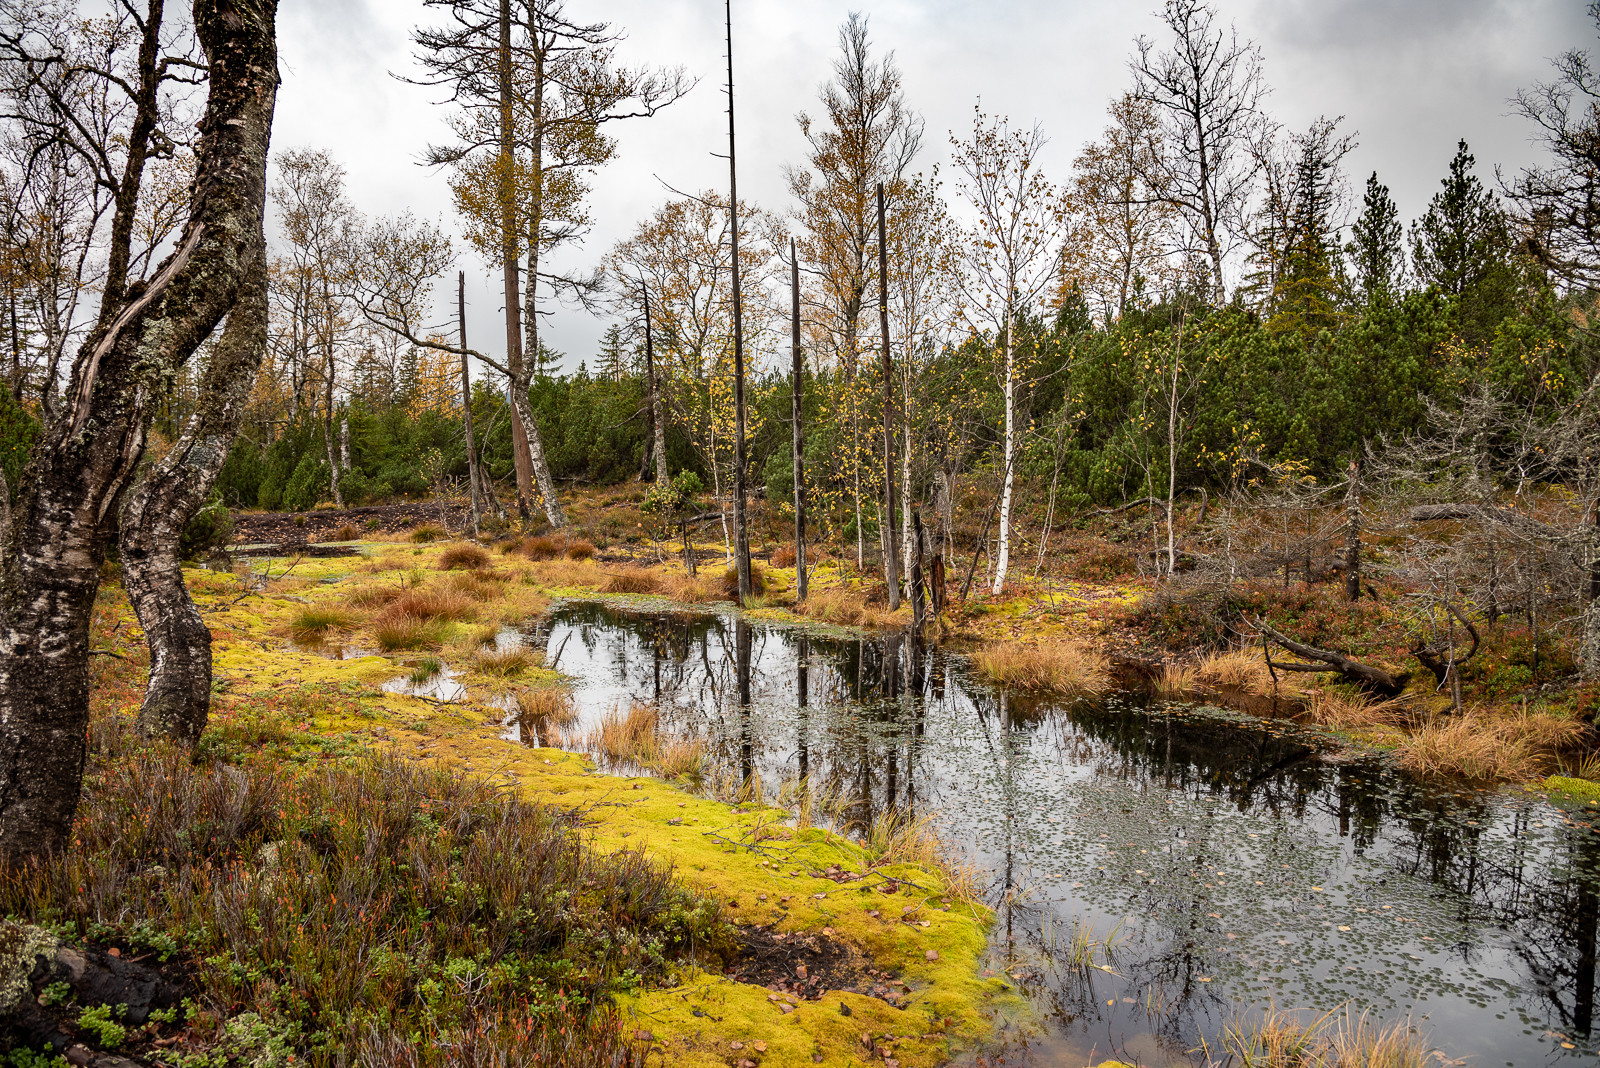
{"points": [[1228, 862]]}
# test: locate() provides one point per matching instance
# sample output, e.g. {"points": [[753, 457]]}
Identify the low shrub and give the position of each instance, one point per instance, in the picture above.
{"points": [[289, 895]]}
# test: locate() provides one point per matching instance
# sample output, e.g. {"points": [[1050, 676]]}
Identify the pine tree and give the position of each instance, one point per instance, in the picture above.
{"points": [[1461, 239], [1377, 255], [613, 361]]}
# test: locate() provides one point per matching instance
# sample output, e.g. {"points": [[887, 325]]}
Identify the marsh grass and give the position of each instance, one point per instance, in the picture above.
{"points": [[633, 736], [371, 595], [540, 547], [1065, 668], [690, 589], [783, 556], [423, 533], [424, 670], [1490, 747], [444, 605], [347, 532], [463, 558], [401, 633], [581, 549], [546, 713], [758, 581], [1341, 1039], [286, 892], [505, 663], [313, 623], [632, 580]]}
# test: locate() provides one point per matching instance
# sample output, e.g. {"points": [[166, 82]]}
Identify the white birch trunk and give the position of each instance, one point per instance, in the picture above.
{"points": [[1003, 557]]}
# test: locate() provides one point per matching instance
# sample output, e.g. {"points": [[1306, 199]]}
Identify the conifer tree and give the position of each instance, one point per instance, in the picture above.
{"points": [[1462, 236], [1377, 255]]}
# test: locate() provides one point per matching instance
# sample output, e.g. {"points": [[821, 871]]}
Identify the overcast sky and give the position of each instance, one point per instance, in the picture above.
{"points": [[1410, 77]]}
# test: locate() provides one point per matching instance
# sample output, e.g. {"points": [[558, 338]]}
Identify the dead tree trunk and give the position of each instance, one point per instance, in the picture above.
{"points": [[741, 530], [91, 447], [797, 398], [1352, 539], [474, 481], [1372, 679], [891, 552], [177, 698]]}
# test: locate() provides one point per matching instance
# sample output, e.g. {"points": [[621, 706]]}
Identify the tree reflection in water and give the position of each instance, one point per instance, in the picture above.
{"points": [[1242, 864]]}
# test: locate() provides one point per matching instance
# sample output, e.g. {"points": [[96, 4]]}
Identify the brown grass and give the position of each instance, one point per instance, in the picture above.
{"points": [[546, 712], [633, 736], [348, 532], [431, 605], [1487, 747], [1066, 668], [393, 634], [504, 662], [373, 596], [478, 585], [1329, 708], [312, 624], [840, 607], [758, 581], [566, 573], [1282, 1039], [540, 547], [582, 549], [690, 589], [463, 558], [632, 580], [783, 556], [423, 533]]}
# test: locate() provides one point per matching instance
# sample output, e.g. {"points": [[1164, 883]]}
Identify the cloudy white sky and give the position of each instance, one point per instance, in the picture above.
{"points": [[1409, 76]]}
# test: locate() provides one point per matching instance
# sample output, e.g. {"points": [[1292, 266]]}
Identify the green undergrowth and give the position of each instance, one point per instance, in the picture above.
{"points": [[349, 912]]}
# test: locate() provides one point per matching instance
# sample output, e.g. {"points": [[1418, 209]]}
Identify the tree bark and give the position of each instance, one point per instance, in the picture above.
{"points": [[891, 553], [1004, 556], [658, 423], [521, 453], [177, 698], [1352, 540], [91, 447], [473, 487], [797, 399], [741, 532]]}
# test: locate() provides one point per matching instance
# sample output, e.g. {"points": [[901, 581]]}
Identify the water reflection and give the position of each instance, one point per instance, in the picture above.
{"points": [[1236, 862]]}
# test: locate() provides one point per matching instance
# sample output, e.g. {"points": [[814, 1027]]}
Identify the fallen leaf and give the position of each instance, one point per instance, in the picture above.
{"points": [[932, 954]]}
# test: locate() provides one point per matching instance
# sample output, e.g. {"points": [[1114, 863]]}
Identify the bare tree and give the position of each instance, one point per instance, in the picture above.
{"points": [[1208, 86], [1559, 204], [93, 441], [1010, 257]]}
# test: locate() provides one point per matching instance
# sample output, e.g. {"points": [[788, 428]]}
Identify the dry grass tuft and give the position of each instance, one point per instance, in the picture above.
{"points": [[504, 662], [431, 604], [1066, 668], [545, 714], [582, 549], [313, 623], [1330, 708], [393, 634], [836, 606], [783, 556], [634, 737], [373, 596], [566, 573], [690, 589], [423, 533], [1489, 748], [478, 585], [540, 547], [758, 581], [1282, 1039], [632, 580], [1237, 671], [347, 532], [463, 558]]}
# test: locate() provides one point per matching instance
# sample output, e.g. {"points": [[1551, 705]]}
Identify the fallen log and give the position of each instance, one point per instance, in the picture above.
{"points": [[1372, 679]]}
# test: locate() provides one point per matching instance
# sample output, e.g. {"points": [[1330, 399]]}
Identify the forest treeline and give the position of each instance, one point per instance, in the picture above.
{"points": [[1176, 312]]}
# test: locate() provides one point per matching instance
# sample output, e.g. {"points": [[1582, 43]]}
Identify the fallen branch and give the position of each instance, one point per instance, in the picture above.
{"points": [[1373, 679]]}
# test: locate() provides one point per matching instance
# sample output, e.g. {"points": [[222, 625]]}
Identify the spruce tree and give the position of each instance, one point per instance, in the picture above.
{"points": [[1377, 255], [1461, 238]]}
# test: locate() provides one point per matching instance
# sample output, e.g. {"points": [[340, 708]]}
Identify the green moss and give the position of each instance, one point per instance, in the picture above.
{"points": [[1580, 788]]}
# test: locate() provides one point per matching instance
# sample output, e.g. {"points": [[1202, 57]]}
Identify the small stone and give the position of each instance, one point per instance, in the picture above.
{"points": [[736, 1045], [932, 954]]}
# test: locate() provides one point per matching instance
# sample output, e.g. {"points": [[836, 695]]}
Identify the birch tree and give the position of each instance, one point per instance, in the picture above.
{"points": [[1010, 259]]}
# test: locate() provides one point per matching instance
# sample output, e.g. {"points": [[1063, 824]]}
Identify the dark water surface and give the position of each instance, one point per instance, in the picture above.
{"points": [[1231, 860]]}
